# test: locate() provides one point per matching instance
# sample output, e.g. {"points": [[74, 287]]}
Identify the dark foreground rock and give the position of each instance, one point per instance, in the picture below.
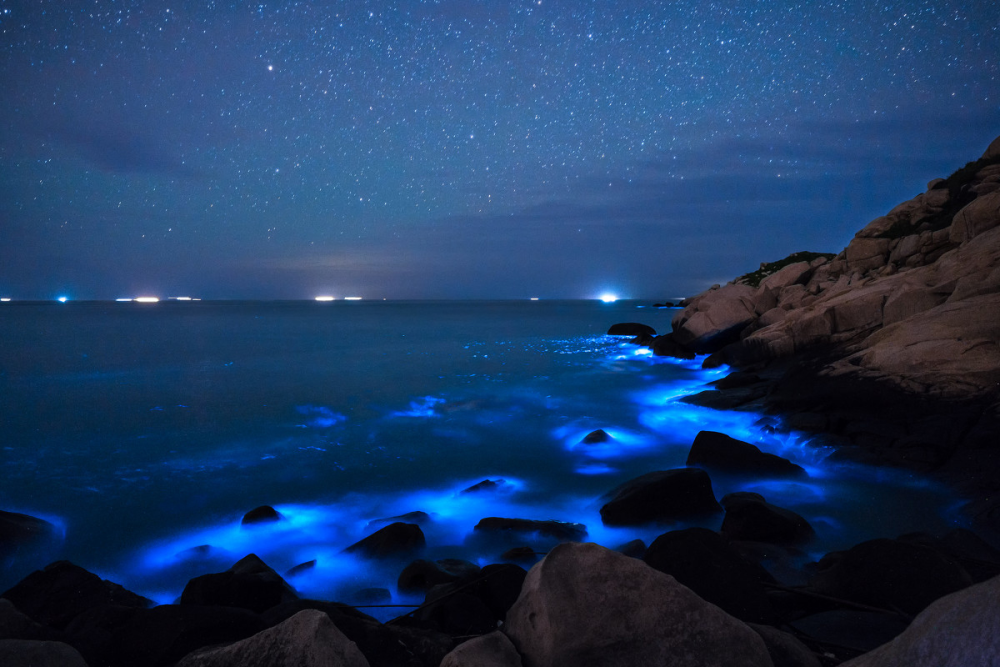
{"points": [[423, 575], [720, 452], [703, 561], [249, 584], [750, 517], [307, 639], [587, 605], [492, 650], [958, 630], [559, 530], [55, 595], [28, 653], [19, 531], [663, 496], [396, 539], [890, 574], [474, 605]]}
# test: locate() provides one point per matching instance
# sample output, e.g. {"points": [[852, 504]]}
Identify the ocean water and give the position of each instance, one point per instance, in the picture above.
{"points": [[145, 431]]}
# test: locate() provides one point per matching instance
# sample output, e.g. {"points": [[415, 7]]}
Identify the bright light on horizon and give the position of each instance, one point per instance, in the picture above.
{"points": [[6, 298], [534, 298], [352, 298], [123, 299], [607, 297], [63, 299], [147, 299], [324, 298], [180, 298]]}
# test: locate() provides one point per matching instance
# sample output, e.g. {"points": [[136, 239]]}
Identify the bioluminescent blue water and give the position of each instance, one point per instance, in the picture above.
{"points": [[147, 431]]}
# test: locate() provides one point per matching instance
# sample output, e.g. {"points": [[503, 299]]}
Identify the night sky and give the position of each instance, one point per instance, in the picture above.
{"points": [[468, 149]]}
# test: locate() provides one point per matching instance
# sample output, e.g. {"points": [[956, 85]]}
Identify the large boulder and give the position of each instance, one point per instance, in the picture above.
{"points": [[784, 648], [53, 596], [890, 574], [307, 639], [959, 630], [704, 562], [714, 318], [980, 215], [662, 496], [15, 625], [750, 517], [587, 605], [631, 329], [492, 650], [667, 346], [721, 452], [249, 584], [31, 653], [396, 539], [18, 531]]}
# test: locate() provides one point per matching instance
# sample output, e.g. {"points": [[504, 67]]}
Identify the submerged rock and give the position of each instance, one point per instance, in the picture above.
{"points": [[422, 575], [418, 517], [719, 451], [596, 437], [248, 584], [631, 329], [587, 605], [750, 517], [396, 539], [56, 594], [485, 485], [667, 346], [560, 530], [663, 496], [262, 514]]}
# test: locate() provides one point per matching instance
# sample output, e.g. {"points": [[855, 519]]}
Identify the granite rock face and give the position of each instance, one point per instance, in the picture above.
{"points": [[587, 605]]}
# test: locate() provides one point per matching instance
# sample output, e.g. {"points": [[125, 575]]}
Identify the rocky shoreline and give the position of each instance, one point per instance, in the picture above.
{"points": [[888, 351]]}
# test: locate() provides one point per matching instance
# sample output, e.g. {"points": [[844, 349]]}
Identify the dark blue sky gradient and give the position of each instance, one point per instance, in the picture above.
{"points": [[468, 149]]}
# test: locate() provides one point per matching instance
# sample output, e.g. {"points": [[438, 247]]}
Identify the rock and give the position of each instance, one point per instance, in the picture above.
{"points": [[249, 584], [632, 548], [422, 575], [856, 630], [792, 274], [867, 253], [418, 517], [586, 605], [459, 613], [308, 639], [889, 574], [30, 653], [703, 561], [560, 530], [631, 329], [522, 554], [784, 648], [396, 539], [993, 150], [667, 346], [15, 625], [958, 630], [978, 216], [21, 530], [390, 645], [54, 595], [595, 437], [736, 380], [717, 450], [492, 650], [115, 636], [296, 570], [485, 485], [499, 586], [759, 521], [714, 318], [262, 514], [663, 496]]}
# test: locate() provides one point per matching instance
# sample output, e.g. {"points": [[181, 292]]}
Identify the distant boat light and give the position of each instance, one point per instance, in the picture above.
{"points": [[352, 298], [6, 298], [609, 298], [147, 299], [534, 298], [125, 299], [324, 298], [181, 298], [63, 299]]}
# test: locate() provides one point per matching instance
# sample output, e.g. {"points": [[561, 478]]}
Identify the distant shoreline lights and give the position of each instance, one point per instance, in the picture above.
{"points": [[324, 298]]}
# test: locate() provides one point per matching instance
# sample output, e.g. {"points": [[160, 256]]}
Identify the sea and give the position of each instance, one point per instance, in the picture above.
{"points": [[145, 431]]}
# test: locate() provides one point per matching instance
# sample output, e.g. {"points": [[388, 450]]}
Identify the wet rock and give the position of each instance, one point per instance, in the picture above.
{"points": [[736, 380], [587, 605], [54, 595], [422, 575], [704, 562], [18, 531], [308, 639], [15, 625], [560, 530], [30, 653], [396, 539], [249, 584], [459, 613], [485, 485], [520, 555], [115, 636], [958, 630], [492, 650], [752, 518], [418, 517], [856, 630], [784, 648], [596, 437], [890, 574], [633, 548], [631, 329], [262, 514], [301, 568], [717, 450], [499, 587], [384, 645], [668, 346], [662, 496]]}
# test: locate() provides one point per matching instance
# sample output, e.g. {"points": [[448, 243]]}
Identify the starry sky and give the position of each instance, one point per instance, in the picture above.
{"points": [[468, 148]]}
